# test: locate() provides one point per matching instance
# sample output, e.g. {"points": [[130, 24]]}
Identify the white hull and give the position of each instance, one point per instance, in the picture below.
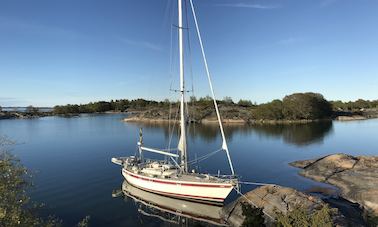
{"points": [[207, 192], [184, 208]]}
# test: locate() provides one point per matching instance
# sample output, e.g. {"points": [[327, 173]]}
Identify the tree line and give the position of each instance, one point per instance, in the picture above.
{"points": [[103, 106], [308, 106], [353, 106], [297, 106], [122, 105]]}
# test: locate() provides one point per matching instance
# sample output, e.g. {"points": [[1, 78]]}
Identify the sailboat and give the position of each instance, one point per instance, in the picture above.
{"points": [[172, 176], [171, 209]]}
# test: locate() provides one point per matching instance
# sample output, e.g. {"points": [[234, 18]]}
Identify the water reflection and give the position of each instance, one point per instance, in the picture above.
{"points": [[170, 210], [301, 134], [297, 134]]}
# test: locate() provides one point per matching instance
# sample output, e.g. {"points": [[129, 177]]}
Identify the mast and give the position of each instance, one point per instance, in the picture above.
{"points": [[182, 142]]}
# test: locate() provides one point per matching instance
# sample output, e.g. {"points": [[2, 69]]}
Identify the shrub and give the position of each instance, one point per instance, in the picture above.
{"points": [[300, 217], [269, 111], [245, 103], [253, 216], [306, 106], [15, 206]]}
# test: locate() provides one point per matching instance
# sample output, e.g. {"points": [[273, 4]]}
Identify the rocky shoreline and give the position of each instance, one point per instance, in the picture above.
{"points": [[357, 204], [137, 118], [22, 115], [351, 118], [275, 200], [236, 115], [356, 115], [203, 114], [357, 177]]}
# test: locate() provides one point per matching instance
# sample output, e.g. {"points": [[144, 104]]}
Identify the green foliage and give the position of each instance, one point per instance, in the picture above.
{"points": [[298, 106], [99, 107], [206, 98], [253, 216], [309, 105], [228, 100], [300, 217], [296, 218], [205, 101], [322, 217], [125, 105], [371, 219], [193, 99], [84, 222], [68, 109], [102, 106], [245, 103], [32, 109], [353, 106], [15, 206], [269, 111], [166, 102]]}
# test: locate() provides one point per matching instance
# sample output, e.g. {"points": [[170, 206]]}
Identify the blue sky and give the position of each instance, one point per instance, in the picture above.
{"points": [[58, 52]]}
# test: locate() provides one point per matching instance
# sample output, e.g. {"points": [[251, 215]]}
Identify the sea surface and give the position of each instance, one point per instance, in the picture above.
{"points": [[73, 175]]}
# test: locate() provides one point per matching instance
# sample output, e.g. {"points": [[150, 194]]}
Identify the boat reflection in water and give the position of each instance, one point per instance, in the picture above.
{"points": [[171, 210]]}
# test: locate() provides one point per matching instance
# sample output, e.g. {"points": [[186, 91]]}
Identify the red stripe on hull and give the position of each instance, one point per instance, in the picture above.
{"points": [[183, 184]]}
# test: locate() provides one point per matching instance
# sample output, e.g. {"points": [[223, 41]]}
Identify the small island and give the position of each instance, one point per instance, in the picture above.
{"points": [[26, 112]]}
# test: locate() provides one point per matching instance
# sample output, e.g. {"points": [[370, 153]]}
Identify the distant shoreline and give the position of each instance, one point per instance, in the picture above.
{"points": [[136, 116], [224, 121], [23, 115], [292, 109], [236, 115]]}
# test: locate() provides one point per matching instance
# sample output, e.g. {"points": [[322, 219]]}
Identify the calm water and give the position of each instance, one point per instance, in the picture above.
{"points": [[73, 175]]}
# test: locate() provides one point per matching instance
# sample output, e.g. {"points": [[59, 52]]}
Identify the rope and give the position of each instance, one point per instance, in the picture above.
{"points": [[207, 156], [224, 145], [255, 183], [252, 203], [176, 163], [171, 70], [190, 54], [171, 56], [202, 158]]}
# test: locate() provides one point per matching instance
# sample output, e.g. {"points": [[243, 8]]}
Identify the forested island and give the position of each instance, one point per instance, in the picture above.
{"points": [[297, 107], [292, 108]]}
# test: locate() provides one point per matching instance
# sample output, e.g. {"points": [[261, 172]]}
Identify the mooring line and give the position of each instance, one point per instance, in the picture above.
{"points": [[256, 183], [253, 204]]}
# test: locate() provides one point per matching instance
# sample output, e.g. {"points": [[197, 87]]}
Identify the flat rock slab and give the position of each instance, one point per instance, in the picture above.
{"points": [[357, 177], [273, 199]]}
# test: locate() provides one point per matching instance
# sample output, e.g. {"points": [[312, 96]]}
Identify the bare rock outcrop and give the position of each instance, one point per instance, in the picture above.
{"points": [[351, 118], [275, 199], [357, 177]]}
